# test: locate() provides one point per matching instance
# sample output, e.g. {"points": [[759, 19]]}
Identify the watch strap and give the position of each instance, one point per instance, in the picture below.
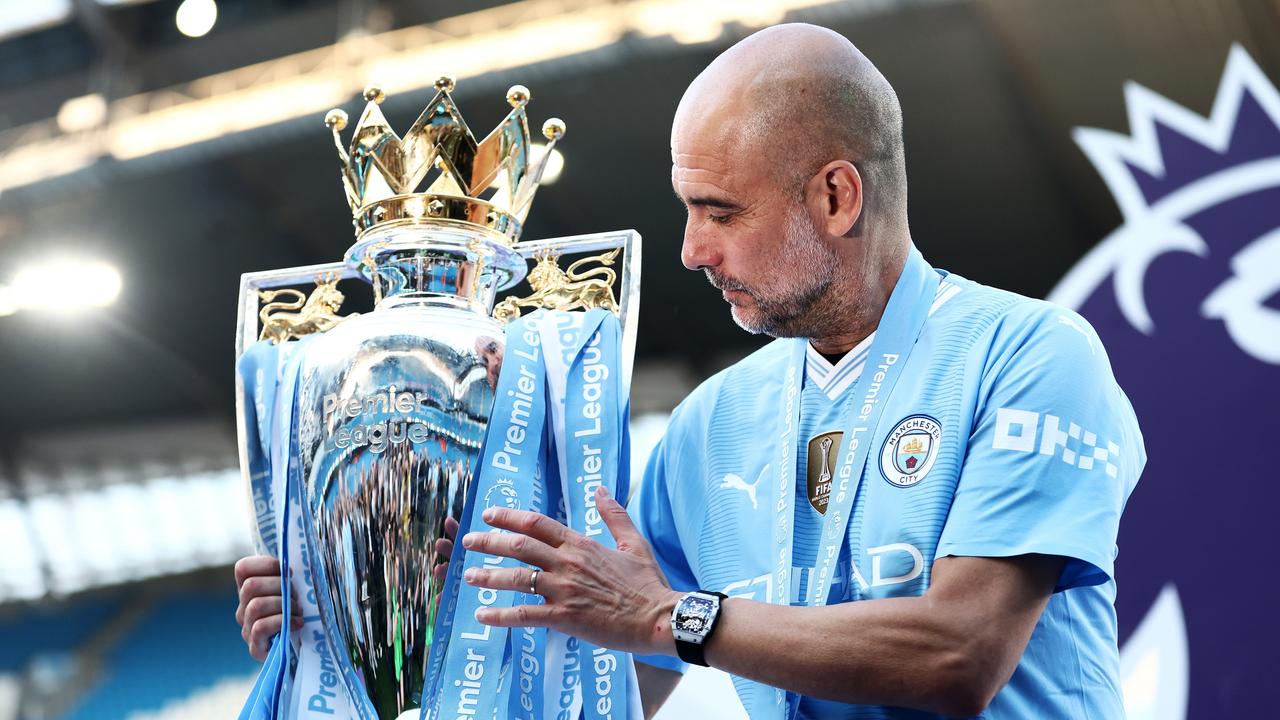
{"points": [[695, 653]]}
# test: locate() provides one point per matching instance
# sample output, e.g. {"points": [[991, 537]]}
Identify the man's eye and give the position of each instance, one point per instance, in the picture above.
{"points": [[720, 219]]}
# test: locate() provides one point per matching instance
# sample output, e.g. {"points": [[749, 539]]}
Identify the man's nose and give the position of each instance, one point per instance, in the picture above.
{"points": [[699, 251]]}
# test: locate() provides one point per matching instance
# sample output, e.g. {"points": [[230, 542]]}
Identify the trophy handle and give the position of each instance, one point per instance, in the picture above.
{"points": [[247, 327], [629, 303], [246, 335]]}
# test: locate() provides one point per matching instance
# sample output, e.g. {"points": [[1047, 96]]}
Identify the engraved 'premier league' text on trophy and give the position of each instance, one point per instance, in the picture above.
{"points": [[392, 406]]}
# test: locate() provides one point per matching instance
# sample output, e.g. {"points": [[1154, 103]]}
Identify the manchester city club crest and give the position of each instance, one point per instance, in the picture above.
{"points": [[909, 450]]}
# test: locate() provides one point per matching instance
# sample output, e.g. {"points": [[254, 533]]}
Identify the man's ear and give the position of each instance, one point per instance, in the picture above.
{"points": [[836, 201]]}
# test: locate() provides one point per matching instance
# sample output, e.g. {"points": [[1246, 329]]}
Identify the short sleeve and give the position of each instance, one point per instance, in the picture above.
{"points": [[1053, 454], [651, 510]]}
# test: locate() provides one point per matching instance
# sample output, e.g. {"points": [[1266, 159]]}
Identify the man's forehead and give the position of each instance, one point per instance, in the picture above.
{"points": [[692, 166], [710, 143]]}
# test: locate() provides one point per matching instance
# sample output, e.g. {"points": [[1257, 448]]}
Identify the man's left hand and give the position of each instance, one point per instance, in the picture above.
{"points": [[614, 598]]}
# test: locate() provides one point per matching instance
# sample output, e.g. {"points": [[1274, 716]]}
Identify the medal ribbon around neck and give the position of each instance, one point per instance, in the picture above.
{"points": [[899, 328]]}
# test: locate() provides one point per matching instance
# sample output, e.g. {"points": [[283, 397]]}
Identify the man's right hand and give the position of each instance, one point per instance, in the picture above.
{"points": [[261, 611]]}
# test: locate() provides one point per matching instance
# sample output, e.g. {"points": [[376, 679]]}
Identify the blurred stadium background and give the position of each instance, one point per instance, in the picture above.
{"points": [[153, 150]]}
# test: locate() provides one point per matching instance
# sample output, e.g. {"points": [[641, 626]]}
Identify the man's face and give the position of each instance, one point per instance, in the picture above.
{"points": [[753, 238]]}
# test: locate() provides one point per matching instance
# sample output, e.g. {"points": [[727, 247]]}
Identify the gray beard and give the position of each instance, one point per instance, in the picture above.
{"points": [[803, 308]]}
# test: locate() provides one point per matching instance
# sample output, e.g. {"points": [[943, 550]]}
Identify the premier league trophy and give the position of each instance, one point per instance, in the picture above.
{"points": [[361, 435]]}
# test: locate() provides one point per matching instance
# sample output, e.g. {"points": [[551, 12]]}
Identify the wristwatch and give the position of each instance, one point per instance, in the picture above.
{"points": [[692, 621]]}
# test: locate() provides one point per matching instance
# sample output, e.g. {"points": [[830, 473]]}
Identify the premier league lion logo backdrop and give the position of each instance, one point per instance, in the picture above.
{"points": [[1186, 296]]}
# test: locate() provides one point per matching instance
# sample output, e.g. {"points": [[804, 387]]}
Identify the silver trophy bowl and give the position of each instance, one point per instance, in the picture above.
{"points": [[392, 410]]}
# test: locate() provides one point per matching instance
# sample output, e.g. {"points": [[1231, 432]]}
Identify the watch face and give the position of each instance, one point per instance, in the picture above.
{"points": [[694, 614]]}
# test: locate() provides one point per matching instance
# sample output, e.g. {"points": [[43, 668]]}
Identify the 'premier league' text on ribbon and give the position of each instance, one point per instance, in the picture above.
{"points": [[594, 373], [514, 465]]}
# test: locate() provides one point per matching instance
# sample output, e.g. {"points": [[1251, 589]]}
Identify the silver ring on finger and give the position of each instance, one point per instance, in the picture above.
{"points": [[533, 582]]}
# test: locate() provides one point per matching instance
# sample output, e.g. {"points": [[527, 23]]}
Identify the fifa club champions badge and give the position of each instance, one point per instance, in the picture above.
{"points": [[1186, 296]]}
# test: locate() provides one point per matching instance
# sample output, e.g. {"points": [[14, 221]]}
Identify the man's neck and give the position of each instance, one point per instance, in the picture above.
{"points": [[834, 347], [862, 319]]}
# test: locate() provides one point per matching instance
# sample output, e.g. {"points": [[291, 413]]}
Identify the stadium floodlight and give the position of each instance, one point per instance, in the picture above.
{"points": [[195, 18], [65, 284], [23, 17]]}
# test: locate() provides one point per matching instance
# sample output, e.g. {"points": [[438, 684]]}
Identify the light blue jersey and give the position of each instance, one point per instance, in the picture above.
{"points": [[1006, 434]]}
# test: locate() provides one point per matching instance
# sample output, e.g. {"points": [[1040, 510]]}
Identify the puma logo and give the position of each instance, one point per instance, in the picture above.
{"points": [[1064, 320], [733, 482]]}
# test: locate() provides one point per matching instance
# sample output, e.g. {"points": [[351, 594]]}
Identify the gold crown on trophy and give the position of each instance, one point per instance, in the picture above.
{"points": [[489, 183]]}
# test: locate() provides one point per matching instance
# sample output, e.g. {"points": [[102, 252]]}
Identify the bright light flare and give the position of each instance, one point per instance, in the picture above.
{"points": [[8, 304], [62, 286], [195, 18]]}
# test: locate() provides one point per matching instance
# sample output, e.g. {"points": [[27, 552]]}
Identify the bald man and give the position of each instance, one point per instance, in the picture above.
{"points": [[911, 498], [906, 506]]}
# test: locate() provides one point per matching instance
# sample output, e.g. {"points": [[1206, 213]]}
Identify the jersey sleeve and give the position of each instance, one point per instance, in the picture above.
{"points": [[650, 509], [1053, 454]]}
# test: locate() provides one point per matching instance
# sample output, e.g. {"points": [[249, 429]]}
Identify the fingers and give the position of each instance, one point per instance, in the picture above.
{"points": [[444, 548], [524, 548], [263, 618], [260, 634], [260, 586], [535, 525], [519, 615], [261, 609], [519, 579], [440, 572], [625, 534], [255, 565]]}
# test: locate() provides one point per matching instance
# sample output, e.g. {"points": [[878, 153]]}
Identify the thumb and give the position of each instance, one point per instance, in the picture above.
{"points": [[624, 532]]}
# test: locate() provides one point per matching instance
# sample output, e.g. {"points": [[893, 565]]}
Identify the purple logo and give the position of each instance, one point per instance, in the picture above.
{"points": [[1186, 296]]}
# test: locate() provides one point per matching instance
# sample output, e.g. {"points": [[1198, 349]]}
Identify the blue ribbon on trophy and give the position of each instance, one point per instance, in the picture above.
{"points": [[469, 680], [590, 432], [268, 373], [257, 374]]}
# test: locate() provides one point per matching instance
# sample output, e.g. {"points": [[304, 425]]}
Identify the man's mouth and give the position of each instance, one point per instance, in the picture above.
{"points": [[732, 292], [726, 285]]}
